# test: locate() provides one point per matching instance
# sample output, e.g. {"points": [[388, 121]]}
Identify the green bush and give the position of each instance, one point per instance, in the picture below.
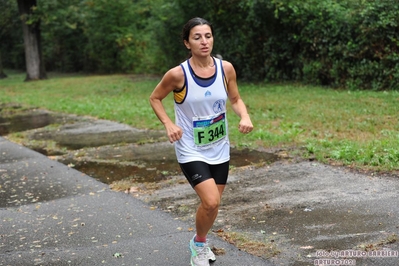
{"points": [[350, 44]]}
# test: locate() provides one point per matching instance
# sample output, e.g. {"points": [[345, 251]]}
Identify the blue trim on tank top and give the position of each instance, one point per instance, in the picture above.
{"points": [[203, 82]]}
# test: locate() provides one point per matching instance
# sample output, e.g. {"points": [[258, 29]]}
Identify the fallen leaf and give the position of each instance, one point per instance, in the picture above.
{"points": [[218, 251], [134, 189], [117, 255]]}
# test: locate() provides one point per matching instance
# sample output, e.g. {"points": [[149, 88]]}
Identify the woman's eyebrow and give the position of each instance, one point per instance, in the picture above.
{"points": [[199, 34]]}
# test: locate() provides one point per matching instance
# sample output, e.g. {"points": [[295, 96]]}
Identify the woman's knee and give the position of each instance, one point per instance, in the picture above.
{"points": [[209, 194], [211, 204]]}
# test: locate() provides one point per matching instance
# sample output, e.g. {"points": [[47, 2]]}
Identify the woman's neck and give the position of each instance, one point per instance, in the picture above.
{"points": [[202, 62]]}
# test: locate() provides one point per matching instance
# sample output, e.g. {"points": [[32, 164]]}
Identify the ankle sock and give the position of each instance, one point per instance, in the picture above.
{"points": [[200, 239]]}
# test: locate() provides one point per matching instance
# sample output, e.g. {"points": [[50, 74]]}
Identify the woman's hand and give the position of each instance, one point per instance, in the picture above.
{"points": [[245, 126], [174, 132]]}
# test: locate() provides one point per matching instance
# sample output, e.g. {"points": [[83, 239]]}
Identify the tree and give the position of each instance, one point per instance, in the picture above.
{"points": [[31, 31], [2, 75]]}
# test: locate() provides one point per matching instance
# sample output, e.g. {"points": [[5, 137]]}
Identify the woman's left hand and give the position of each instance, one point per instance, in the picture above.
{"points": [[245, 126]]}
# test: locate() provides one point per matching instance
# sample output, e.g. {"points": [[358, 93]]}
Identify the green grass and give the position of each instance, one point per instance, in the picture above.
{"points": [[355, 128]]}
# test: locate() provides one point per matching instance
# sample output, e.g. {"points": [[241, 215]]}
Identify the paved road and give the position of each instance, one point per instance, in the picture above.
{"points": [[54, 215]]}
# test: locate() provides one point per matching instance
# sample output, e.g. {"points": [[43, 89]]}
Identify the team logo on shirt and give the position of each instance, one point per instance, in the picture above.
{"points": [[218, 106]]}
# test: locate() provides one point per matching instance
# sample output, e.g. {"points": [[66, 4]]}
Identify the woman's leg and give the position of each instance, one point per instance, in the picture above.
{"points": [[208, 182], [210, 196]]}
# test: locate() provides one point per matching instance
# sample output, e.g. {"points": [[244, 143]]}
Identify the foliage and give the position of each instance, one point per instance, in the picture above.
{"points": [[62, 23], [350, 44], [12, 50], [347, 43], [338, 43], [105, 36], [114, 31], [165, 24], [93, 36]]}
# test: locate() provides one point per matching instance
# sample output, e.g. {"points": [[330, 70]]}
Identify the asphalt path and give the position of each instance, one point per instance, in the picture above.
{"points": [[52, 214]]}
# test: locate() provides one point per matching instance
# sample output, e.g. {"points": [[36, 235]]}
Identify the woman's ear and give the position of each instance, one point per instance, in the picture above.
{"points": [[187, 44]]}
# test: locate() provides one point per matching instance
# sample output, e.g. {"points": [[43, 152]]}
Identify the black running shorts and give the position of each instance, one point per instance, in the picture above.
{"points": [[197, 172]]}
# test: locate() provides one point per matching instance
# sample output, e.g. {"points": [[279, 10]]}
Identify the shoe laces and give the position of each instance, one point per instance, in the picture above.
{"points": [[202, 249]]}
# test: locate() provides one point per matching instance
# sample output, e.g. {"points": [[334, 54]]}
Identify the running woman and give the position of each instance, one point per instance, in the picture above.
{"points": [[201, 86]]}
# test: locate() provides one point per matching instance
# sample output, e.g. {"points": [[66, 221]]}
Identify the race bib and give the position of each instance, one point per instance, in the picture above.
{"points": [[209, 130]]}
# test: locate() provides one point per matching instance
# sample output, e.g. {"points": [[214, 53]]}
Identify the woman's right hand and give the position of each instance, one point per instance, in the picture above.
{"points": [[174, 132]]}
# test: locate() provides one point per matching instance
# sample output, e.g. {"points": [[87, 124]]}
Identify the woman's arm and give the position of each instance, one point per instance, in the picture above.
{"points": [[172, 80], [238, 105]]}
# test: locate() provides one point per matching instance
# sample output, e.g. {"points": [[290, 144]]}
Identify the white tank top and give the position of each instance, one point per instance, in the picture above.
{"points": [[200, 110]]}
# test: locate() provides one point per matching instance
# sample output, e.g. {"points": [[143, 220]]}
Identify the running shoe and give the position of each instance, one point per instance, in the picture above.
{"points": [[201, 253], [210, 255]]}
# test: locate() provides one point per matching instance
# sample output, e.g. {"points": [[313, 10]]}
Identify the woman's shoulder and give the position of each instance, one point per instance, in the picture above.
{"points": [[228, 68], [174, 76], [226, 64], [175, 73]]}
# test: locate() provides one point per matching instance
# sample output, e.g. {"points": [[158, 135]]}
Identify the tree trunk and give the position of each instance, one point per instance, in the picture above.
{"points": [[2, 75], [33, 54]]}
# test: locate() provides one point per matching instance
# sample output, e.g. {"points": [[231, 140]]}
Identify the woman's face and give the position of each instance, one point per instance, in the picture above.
{"points": [[200, 41]]}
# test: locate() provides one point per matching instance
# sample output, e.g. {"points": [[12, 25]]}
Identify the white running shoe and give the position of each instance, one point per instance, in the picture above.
{"points": [[201, 253], [211, 256]]}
